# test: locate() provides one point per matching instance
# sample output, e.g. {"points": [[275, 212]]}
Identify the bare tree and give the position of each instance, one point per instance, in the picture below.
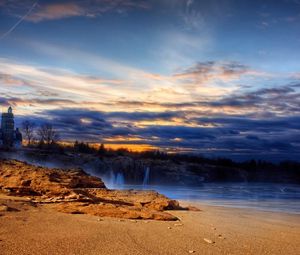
{"points": [[47, 134], [28, 128]]}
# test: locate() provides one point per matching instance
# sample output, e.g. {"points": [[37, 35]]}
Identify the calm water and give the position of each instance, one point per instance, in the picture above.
{"points": [[268, 197]]}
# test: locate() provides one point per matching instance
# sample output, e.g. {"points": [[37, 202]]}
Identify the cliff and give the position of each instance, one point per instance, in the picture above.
{"points": [[74, 191]]}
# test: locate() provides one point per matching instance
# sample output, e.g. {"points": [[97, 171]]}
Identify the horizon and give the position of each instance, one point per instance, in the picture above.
{"points": [[220, 79]]}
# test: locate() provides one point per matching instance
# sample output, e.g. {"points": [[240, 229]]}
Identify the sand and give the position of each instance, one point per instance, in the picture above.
{"points": [[43, 230]]}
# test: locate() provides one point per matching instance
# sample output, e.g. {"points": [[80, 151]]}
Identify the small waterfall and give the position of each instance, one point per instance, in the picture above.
{"points": [[114, 181], [120, 180], [112, 178], [146, 176]]}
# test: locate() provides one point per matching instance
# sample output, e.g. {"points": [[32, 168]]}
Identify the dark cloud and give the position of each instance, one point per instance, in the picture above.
{"points": [[259, 125], [270, 127], [15, 101], [211, 70], [238, 137], [139, 116], [284, 100], [129, 116]]}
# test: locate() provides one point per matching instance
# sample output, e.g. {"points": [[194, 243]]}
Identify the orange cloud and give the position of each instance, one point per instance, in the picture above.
{"points": [[56, 11], [77, 8]]}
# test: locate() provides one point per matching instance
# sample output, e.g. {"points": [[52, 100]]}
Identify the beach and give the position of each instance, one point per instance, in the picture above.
{"points": [[41, 229]]}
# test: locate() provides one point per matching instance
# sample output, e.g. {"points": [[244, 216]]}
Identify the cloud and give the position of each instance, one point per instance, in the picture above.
{"points": [[282, 100], [192, 17], [231, 136], [57, 81], [10, 80], [248, 121], [203, 72], [296, 76], [67, 9], [138, 90], [56, 11], [19, 102]]}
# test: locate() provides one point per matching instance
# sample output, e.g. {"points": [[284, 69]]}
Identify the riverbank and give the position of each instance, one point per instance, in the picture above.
{"points": [[214, 230]]}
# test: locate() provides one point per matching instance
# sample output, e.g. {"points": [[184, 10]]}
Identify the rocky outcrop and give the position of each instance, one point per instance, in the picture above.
{"points": [[18, 178], [74, 191]]}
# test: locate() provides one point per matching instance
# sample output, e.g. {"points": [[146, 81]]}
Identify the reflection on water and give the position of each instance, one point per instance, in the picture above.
{"points": [[262, 196]]}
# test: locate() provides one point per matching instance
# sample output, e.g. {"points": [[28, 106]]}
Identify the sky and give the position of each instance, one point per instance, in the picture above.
{"points": [[216, 78]]}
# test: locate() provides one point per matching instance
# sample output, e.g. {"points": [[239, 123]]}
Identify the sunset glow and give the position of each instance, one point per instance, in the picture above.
{"points": [[157, 74]]}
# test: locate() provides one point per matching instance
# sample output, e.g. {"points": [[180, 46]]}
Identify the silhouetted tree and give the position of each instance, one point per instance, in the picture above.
{"points": [[28, 129], [47, 134], [84, 147], [102, 150], [76, 145]]}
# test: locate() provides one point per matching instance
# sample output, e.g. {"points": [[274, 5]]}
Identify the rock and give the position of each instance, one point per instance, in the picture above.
{"points": [[178, 225], [4, 208], [20, 178], [75, 192], [71, 197], [191, 251], [169, 228], [115, 210], [26, 183], [208, 240]]}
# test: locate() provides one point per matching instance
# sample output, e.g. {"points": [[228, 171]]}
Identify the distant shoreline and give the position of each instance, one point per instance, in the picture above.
{"points": [[182, 170], [248, 208]]}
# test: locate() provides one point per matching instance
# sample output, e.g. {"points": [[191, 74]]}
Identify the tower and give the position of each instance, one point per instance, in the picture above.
{"points": [[8, 127]]}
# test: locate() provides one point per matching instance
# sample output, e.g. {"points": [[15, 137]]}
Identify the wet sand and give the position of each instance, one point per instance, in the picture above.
{"points": [[43, 230]]}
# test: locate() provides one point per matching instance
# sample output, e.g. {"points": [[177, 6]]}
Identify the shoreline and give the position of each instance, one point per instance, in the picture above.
{"points": [[213, 230], [51, 211], [242, 207]]}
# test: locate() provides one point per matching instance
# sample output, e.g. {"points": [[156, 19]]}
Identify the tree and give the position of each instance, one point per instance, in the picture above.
{"points": [[84, 147], [28, 128], [76, 145], [101, 150], [47, 134]]}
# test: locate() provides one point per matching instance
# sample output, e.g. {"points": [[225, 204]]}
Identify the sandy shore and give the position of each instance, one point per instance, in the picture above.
{"points": [[43, 230]]}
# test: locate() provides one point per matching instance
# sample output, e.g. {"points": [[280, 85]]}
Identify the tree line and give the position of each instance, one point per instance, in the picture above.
{"points": [[46, 136]]}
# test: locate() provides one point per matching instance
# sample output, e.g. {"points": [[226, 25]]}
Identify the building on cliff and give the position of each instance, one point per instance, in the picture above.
{"points": [[9, 136]]}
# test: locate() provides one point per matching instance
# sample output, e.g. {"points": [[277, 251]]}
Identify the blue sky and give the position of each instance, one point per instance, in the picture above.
{"points": [[216, 77]]}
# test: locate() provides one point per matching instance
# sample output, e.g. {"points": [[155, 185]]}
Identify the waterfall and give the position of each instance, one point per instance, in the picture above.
{"points": [[120, 180], [146, 176], [114, 180]]}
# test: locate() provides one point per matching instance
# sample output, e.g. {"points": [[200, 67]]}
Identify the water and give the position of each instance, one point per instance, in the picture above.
{"points": [[114, 180], [260, 196], [146, 176], [120, 179]]}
